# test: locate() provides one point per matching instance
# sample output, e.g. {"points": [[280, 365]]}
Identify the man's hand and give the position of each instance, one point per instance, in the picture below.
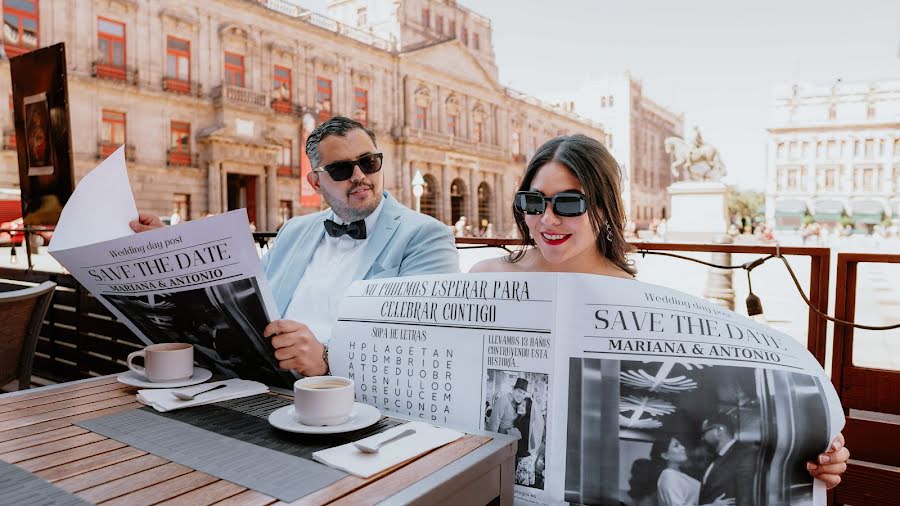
{"points": [[831, 464], [296, 347], [146, 222]]}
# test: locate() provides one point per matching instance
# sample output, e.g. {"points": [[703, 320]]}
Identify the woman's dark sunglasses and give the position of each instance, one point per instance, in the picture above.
{"points": [[343, 170], [566, 204]]}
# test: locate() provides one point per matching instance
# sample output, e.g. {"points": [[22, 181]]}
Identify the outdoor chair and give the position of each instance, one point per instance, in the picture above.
{"points": [[22, 313]]}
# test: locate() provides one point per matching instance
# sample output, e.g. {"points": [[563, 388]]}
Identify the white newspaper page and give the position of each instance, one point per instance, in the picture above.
{"points": [[672, 398], [199, 282], [470, 351]]}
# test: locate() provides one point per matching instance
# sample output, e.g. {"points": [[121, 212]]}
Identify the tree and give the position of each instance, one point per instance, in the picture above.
{"points": [[744, 205]]}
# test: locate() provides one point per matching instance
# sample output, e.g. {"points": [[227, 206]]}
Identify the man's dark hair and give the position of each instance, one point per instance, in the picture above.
{"points": [[338, 125]]}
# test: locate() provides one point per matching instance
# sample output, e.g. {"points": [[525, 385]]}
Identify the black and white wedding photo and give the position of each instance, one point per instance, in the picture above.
{"points": [[222, 321], [516, 403], [679, 433]]}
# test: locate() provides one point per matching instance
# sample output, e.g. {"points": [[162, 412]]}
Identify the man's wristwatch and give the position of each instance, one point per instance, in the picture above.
{"points": [[325, 358]]}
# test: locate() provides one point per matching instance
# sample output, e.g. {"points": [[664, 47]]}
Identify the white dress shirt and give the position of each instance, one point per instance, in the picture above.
{"points": [[327, 276]]}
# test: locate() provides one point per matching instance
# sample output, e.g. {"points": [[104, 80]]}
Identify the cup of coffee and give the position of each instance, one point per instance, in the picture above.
{"points": [[164, 362], [323, 400]]}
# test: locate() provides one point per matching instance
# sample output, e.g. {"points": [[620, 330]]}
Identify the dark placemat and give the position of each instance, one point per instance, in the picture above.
{"points": [[18, 486], [233, 440], [246, 419]]}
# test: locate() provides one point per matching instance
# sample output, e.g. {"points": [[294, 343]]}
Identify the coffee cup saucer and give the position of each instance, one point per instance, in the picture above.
{"points": [[134, 379], [361, 417]]}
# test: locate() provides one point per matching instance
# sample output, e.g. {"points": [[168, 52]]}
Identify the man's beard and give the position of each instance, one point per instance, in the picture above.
{"points": [[344, 211]]}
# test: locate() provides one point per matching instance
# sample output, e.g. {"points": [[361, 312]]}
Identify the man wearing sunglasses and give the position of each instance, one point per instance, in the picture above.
{"points": [[365, 234]]}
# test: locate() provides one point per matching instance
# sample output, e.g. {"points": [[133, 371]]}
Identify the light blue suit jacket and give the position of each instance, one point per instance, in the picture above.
{"points": [[402, 243]]}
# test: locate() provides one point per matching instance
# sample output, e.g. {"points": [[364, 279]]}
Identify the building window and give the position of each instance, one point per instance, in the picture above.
{"points": [[286, 158], [323, 98], [20, 26], [515, 147], [421, 117], [439, 24], [181, 207], [831, 180], [465, 36], [832, 112], [452, 30], [602, 101], [178, 65], [611, 103], [361, 16], [281, 89], [285, 211], [478, 131], [112, 131], [476, 41], [870, 149], [111, 44], [234, 70], [870, 112], [179, 152], [792, 182], [361, 105], [453, 124], [426, 18]]}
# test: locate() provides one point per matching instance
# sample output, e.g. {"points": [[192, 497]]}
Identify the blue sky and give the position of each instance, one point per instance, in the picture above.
{"points": [[716, 61]]}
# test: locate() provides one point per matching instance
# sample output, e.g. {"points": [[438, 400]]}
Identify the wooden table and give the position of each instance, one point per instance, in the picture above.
{"points": [[37, 434]]}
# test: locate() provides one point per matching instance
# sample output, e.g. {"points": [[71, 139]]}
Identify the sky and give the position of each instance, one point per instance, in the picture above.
{"points": [[714, 61]]}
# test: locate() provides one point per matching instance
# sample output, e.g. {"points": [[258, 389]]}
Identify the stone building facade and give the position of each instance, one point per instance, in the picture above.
{"points": [[214, 100], [834, 154], [637, 128]]}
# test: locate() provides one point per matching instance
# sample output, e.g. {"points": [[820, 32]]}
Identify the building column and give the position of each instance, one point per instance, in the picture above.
{"points": [[405, 182], [271, 198], [223, 190], [214, 189], [444, 195], [474, 219]]}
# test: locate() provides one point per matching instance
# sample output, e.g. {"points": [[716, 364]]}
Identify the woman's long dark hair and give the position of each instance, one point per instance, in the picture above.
{"points": [[598, 173]]}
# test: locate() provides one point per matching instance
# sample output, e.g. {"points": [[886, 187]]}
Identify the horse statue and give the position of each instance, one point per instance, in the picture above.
{"points": [[694, 162]]}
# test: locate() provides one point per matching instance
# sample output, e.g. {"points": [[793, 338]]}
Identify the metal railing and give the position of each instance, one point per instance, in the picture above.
{"points": [[178, 158], [173, 85], [104, 149], [124, 73]]}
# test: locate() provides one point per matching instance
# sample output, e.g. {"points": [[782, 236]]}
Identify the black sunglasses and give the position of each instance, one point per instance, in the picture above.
{"points": [[566, 204], [343, 170]]}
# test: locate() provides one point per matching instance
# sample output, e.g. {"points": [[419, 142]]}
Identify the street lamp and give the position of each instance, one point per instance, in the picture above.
{"points": [[418, 186]]}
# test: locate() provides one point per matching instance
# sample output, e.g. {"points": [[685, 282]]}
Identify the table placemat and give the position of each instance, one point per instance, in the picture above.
{"points": [[18, 486], [233, 440]]}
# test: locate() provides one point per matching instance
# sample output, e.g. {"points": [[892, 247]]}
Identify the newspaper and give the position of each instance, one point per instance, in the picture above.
{"points": [[622, 392], [198, 282]]}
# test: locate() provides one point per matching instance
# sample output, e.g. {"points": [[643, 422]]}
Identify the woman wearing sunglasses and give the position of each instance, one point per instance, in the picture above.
{"points": [[569, 208], [570, 215]]}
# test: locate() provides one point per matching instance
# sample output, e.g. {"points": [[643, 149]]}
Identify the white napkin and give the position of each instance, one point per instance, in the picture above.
{"points": [[354, 461], [162, 399]]}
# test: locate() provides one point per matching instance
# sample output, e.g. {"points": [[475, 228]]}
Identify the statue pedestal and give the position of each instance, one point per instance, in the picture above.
{"points": [[699, 211]]}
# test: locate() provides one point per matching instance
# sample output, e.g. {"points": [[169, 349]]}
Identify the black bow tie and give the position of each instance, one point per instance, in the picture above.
{"points": [[356, 230]]}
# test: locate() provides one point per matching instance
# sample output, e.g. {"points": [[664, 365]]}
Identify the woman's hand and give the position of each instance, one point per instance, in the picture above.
{"points": [[831, 464]]}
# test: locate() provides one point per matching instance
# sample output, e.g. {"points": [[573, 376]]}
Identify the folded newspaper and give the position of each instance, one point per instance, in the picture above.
{"points": [[622, 392], [198, 282]]}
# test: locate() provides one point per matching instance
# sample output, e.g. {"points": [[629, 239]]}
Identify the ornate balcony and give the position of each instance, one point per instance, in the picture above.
{"points": [[227, 94], [173, 85], [104, 149], [124, 73], [178, 158]]}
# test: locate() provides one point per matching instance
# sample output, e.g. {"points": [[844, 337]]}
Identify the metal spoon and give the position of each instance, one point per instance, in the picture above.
{"points": [[370, 448], [189, 397]]}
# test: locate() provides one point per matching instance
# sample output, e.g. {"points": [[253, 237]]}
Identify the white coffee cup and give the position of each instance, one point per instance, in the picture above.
{"points": [[323, 400], [164, 362]]}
